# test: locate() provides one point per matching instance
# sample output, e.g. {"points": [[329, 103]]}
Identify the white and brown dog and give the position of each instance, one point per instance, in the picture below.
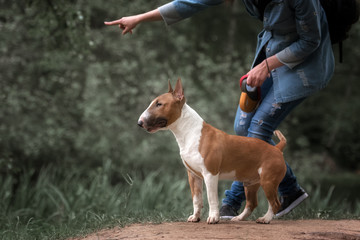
{"points": [[210, 154]]}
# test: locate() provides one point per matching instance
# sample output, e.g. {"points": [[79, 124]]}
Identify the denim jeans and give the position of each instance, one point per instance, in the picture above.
{"points": [[261, 124]]}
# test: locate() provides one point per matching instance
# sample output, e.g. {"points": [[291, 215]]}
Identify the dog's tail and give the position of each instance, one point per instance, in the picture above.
{"points": [[282, 144]]}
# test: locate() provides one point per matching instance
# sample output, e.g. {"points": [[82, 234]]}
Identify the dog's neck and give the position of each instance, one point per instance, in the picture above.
{"points": [[187, 128]]}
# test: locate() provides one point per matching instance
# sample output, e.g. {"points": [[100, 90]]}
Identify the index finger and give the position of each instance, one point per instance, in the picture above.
{"points": [[116, 22]]}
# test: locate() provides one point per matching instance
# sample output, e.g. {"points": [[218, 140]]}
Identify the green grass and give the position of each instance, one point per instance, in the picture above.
{"points": [[61, 204]]}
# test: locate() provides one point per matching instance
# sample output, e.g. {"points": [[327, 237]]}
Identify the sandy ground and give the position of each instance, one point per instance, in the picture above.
{"points": [[278, 229]]}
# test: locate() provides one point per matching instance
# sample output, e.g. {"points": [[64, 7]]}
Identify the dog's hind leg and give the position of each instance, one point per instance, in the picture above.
{"points": [[196, 187], [251, 202], [270, 190]]}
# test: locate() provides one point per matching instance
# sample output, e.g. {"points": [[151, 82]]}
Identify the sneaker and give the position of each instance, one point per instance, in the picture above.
{"points": [[227, 212], [288, 203]]}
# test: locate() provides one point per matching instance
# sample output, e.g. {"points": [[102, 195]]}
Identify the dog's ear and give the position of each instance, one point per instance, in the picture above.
{"points": [[170, 88], [179, 90]]}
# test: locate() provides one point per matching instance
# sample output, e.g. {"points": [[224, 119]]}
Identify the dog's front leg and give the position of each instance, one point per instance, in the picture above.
{"points": [[196, 186], [211, 183]]}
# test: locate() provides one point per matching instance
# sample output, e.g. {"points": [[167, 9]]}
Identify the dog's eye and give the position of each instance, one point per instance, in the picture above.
{"points": [[158, 104]]}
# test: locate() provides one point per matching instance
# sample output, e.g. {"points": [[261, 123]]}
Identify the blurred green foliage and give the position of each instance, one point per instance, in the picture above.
{"points": [[71, 91]]}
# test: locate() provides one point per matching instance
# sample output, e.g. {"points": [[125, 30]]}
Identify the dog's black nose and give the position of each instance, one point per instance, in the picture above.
{"points": [[140, 123]]}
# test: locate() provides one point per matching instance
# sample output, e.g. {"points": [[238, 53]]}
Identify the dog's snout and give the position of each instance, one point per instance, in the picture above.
{"points": [[140, 123]]}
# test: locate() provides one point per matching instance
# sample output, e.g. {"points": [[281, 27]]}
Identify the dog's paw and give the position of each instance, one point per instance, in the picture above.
{"points": [[194, 218], [213, 218], [242, 217], [237, 219], [263, 220]]}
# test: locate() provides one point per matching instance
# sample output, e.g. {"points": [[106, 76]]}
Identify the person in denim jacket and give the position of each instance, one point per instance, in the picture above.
{"points": [[293, 60]]}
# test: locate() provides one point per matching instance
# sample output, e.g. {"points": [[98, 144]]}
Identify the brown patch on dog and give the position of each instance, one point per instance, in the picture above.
{"points": [[224, 153], [164, 107]]}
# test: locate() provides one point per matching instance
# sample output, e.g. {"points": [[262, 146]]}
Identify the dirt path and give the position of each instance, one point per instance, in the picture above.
{"points": [[279, 230]]}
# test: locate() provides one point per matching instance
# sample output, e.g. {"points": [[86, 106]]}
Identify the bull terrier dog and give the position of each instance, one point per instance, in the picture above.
{"points": [[210, 155]]}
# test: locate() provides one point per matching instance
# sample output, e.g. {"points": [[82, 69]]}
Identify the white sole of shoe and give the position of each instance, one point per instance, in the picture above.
{"points": [[292, 205], [226, 217]]}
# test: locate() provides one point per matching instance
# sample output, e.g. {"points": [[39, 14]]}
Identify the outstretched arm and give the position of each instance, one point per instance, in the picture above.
{"points": [[127, 24], [170, 13]]}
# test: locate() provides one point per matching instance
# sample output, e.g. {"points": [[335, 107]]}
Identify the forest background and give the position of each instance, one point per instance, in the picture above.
{"points": [[72, 157]]}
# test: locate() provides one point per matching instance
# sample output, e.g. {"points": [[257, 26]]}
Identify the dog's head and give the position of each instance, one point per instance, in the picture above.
{"points": [[163, 110]]}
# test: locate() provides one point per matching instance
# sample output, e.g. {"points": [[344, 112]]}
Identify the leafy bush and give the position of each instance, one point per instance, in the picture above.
{"points": [[71, 91]]}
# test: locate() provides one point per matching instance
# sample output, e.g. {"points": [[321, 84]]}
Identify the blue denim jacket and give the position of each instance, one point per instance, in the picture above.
{"points": [[296, 31]]}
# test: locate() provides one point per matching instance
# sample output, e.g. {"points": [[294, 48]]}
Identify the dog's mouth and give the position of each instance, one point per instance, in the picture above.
{"points": [[161, 122], [153, 125]]}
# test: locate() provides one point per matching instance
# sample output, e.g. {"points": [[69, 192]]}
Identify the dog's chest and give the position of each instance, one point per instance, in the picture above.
{"points": [[192, 159], [187, 131], [189, 149]]}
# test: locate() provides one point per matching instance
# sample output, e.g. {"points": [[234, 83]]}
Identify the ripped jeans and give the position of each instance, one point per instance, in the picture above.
{"points": [[261, 124]]}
